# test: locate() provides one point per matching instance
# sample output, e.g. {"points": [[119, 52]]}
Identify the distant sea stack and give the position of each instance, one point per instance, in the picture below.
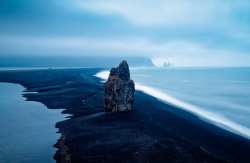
{"points": [[119, 90]]}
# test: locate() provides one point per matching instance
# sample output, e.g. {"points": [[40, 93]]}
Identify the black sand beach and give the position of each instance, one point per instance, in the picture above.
{"points": [[153, 132]]}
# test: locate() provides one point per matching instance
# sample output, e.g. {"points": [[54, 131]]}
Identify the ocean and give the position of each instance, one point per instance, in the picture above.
{"points": [[27, 128], [220, 96]]}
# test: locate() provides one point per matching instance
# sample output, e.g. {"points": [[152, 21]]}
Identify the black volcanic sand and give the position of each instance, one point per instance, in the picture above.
{"points": [[153, 132]]}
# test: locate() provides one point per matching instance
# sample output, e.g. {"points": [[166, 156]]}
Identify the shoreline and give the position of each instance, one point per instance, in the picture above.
{"points": [[206, 135], [149, 132], [20, 140], [214, 119]]}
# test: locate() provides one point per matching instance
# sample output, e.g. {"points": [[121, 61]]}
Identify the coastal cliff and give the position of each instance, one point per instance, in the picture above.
{"points": [[119, 90]]}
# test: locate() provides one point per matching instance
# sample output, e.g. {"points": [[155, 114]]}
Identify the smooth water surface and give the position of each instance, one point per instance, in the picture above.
{"points": [[218, 95], [223, 94], [27, 129]]}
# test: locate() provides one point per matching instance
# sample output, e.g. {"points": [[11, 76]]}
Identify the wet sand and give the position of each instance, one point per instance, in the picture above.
{"points": [[152, 132]]}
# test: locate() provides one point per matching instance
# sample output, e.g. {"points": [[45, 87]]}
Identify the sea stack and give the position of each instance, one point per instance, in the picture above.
{"points": [[119, 90]]}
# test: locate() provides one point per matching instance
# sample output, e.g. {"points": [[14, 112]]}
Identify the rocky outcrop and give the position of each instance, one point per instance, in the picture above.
{"points": [[119, 90]]}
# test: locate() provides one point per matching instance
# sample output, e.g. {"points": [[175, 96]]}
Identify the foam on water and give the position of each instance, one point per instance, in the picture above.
{"points": [[210, 117]]}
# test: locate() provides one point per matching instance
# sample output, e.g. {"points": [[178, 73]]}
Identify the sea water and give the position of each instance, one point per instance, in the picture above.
{"points": [[217, 95], [27, 128]]}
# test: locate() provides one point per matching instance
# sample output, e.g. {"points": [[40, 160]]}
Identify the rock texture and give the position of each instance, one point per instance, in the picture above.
{"points": [[119, 90]]}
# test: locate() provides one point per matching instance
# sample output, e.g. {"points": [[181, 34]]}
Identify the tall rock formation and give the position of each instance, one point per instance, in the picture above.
{"points": [[119, 90]]}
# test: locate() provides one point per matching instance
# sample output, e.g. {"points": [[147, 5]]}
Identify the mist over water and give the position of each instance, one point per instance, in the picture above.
{"points": [[217, 95]]}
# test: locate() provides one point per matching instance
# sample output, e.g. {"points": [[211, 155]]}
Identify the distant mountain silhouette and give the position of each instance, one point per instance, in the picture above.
{"points": [[69, 61]]}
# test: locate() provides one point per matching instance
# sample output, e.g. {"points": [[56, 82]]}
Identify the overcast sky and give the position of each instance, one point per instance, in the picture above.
{"points": [[188, 33]]}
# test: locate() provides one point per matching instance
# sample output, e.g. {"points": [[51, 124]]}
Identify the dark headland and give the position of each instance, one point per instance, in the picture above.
{"points": [[152, 132]]}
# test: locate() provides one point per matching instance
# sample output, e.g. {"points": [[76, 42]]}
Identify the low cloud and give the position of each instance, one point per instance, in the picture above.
{"points": [[161, 12], [182, 53], [186, 32]]}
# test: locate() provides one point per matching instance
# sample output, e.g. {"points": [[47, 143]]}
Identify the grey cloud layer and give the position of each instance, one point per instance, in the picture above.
{"points": [[178, 30]]}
